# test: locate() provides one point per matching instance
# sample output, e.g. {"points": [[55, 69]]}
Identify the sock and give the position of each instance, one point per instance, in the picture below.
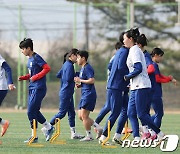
{"points": [[145, 129], [152, 132], [96, 125], [47, 125], [2, 122], [117, 136], [73, 130], [88, 132], [137, 138]]}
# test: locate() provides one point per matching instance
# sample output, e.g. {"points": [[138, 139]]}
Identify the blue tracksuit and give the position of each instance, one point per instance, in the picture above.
{"points": [[37, 89], [116, 85], [157, 102], [66, 75], [88, 91]]}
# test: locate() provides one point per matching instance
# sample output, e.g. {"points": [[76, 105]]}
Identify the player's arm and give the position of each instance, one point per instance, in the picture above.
{"points": [[150, 69], [45, 70], [137, 70], [163, 79], [88, 81], [9, 75]]}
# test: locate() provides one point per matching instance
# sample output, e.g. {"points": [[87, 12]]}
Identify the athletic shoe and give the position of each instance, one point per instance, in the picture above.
{"points": [[98, 132], [129, 130], [44, 130], [145, 136], [101, 141], [35, 140], [4, 127], [77, 136], [117, 141], [50, 133], [87, 138], [160, 137]]}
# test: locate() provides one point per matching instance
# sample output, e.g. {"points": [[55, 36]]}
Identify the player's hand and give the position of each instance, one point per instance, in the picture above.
{"points": [[11, 87], [174, 81]]}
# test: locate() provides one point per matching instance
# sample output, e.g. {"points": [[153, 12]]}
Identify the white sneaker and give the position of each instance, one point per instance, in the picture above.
{"points": [[76, 136], [44, 130], [87, 138], [117, 141], [160, 136]]}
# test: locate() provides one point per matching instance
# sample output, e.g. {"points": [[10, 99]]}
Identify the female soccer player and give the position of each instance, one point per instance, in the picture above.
{"points": [[142, 42], [88, 93], [140, 86], [66, 75], [38, 69], [5, 84], [157, 103], [116, 86]]}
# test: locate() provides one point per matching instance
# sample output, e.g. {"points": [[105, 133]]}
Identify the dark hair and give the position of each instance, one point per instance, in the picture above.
{"points": [[134, 33], [142, 40], [68, 54], [121, 38], [84, 54], [27, 42], [157, 51], [118, 45]]}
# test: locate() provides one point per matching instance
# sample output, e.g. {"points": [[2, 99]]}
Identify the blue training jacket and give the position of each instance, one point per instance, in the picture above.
{"points": [[119, 70]]}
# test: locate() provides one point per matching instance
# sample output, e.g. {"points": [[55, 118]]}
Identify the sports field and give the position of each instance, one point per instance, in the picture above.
{"points": [[19, 131]]}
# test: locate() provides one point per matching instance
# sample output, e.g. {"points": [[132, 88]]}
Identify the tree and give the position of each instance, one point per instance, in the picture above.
{"points": [[156, 21]]}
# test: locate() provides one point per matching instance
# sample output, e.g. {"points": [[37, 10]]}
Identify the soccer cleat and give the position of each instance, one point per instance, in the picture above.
{"points": [[77, 136], [99, 132], [4, 127], [44, 130], [87, 138], [35, 140], [50, 133], [145, 136], [129, 130], [117, 141]]}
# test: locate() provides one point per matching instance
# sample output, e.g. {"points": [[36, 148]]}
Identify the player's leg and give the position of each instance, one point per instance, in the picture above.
{"points": [[116, 104], [4, 123], [71, 118], [142, 97], [122, 120], [87, 122], [157, 105], [132, 115]]}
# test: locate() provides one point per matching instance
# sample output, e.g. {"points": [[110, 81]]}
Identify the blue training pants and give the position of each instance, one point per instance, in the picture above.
{"points": [[157, 105], [66, 105], [137, 106], [34, 104]]}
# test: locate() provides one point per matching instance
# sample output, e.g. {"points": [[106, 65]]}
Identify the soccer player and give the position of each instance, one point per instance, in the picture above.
{"points": [[88, 93], [66, 104], [106, 108], [38, 69], [142, 42], [116, 86], [140, 86], [5, 84], [157, 102]]}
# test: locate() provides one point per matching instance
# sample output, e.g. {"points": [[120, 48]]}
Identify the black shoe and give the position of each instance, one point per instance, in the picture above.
{"points": [[34, 141]]}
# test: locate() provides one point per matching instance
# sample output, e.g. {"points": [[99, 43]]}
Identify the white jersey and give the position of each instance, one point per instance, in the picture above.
{"points": [[3, 80], [142, 80]]}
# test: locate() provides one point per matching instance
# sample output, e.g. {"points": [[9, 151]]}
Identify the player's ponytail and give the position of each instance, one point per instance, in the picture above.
{"points": [[142, 40]]}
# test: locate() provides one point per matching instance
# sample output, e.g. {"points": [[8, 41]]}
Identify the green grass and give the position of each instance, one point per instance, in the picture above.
{"points": [[19, 131]]}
